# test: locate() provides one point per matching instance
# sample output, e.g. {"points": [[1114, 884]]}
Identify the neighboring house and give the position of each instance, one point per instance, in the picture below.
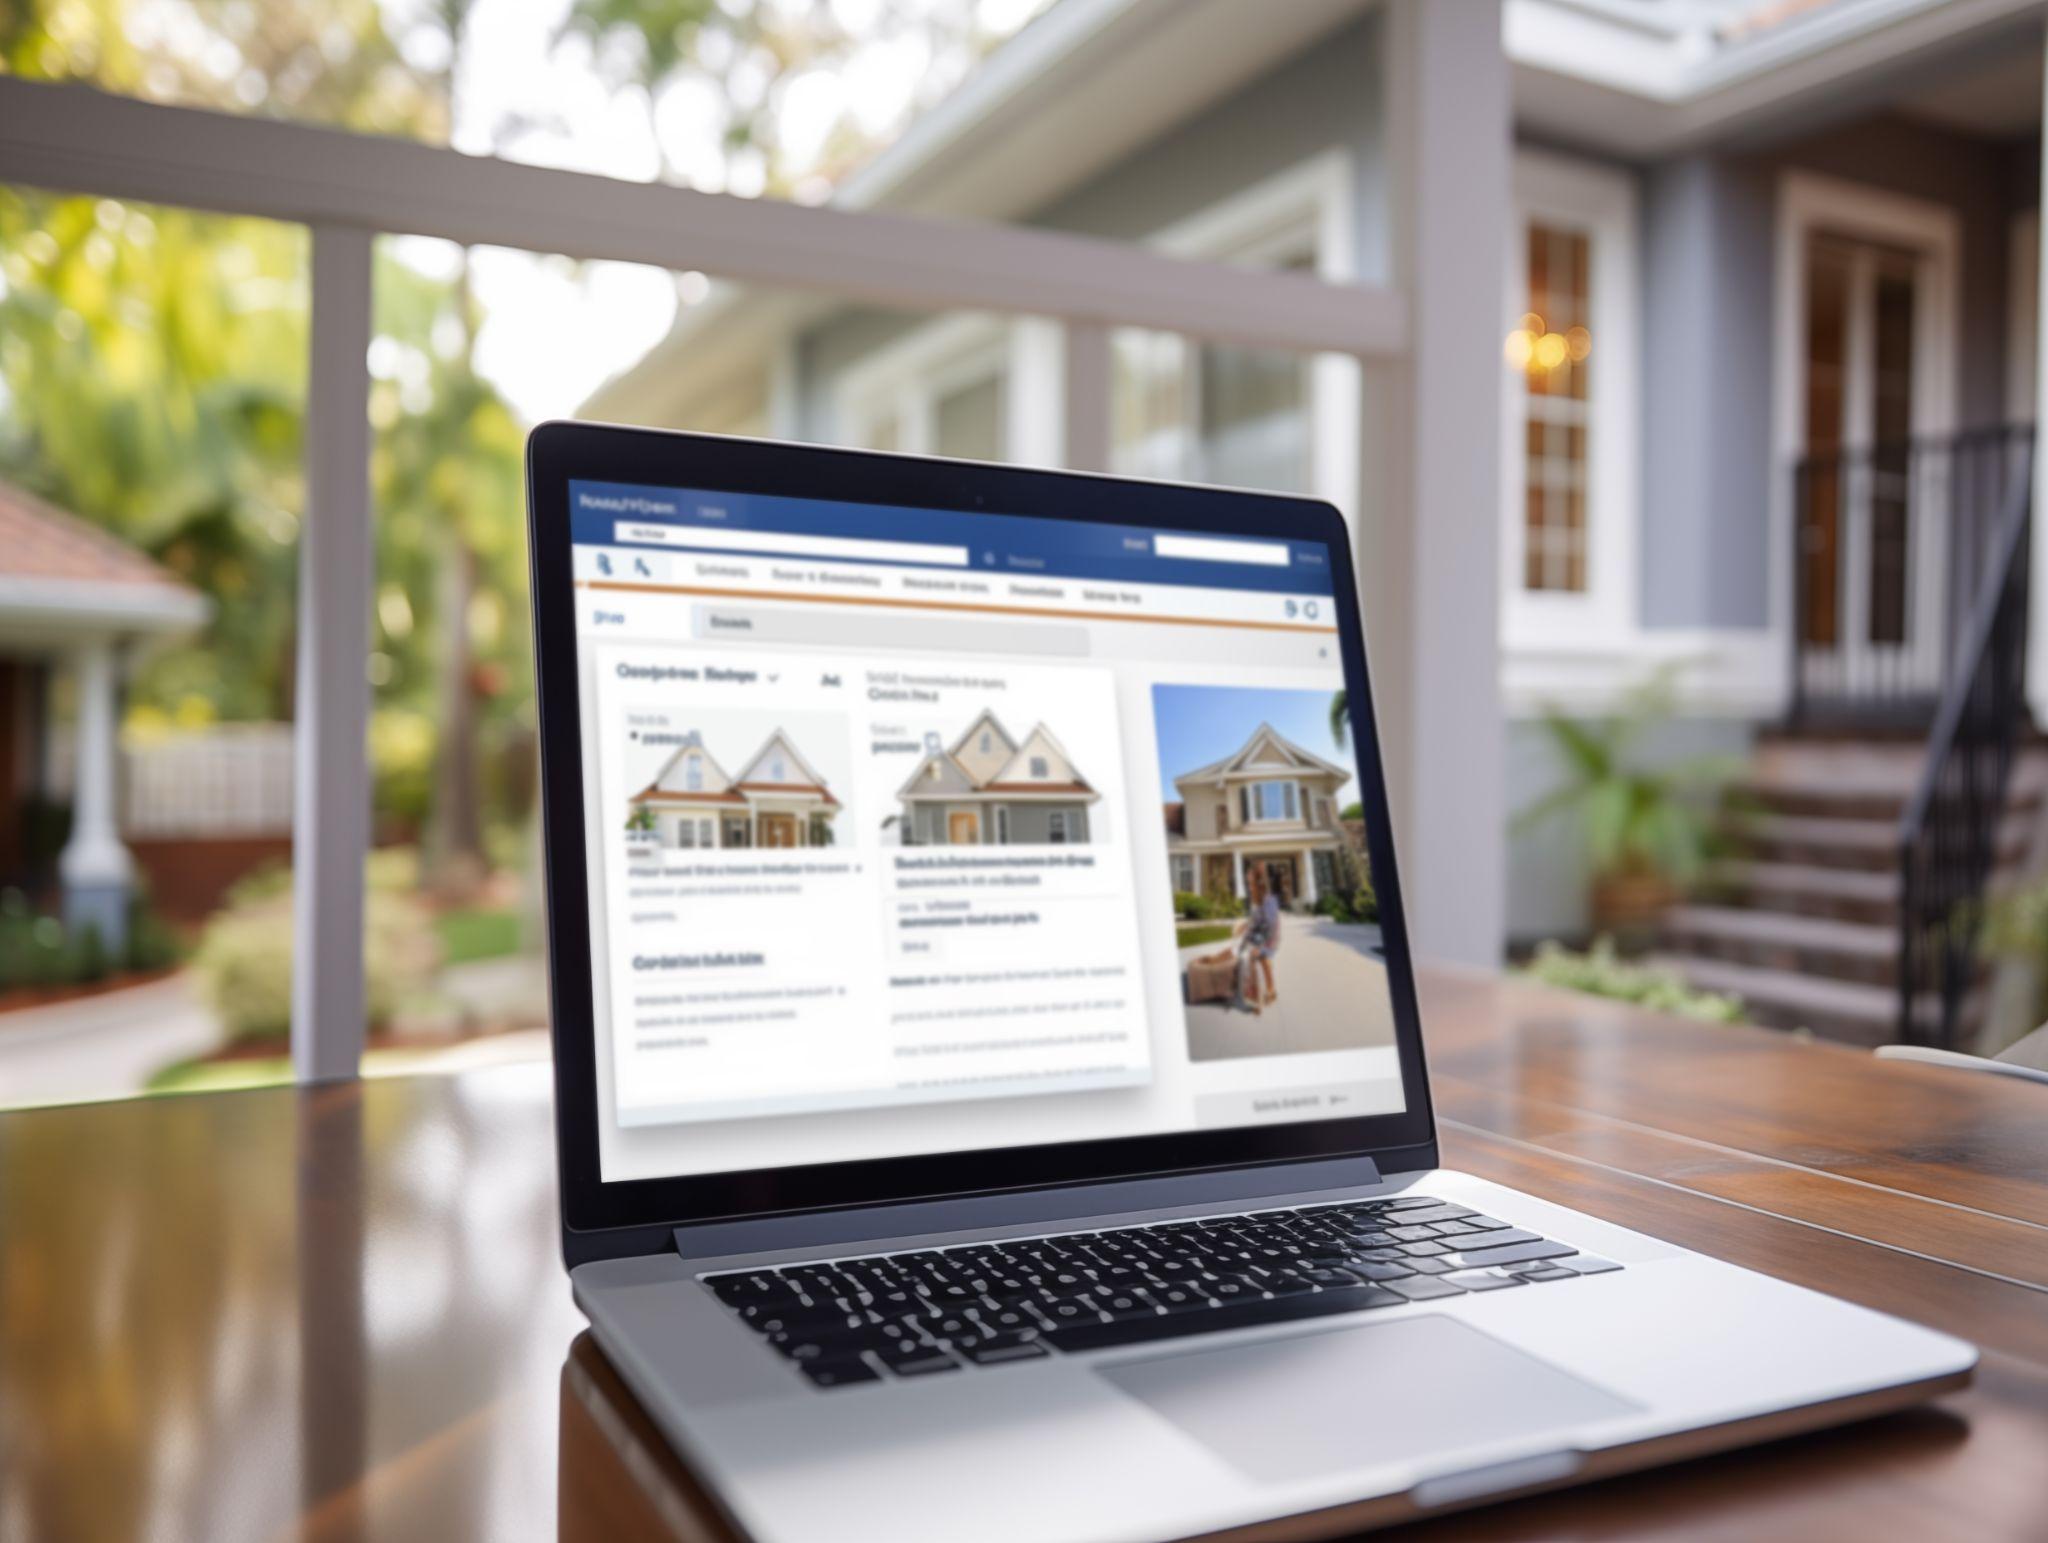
{"points": [[989, 789], [1767, 313], [777, 800], [1270, 804], [75, 603]]}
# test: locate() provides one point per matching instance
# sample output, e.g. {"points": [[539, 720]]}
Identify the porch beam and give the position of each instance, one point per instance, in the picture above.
{"points": [[331, 774], [74, 139]]}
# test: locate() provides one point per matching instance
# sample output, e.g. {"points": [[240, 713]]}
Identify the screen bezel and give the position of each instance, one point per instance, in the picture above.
{"points": [[558, 453]]}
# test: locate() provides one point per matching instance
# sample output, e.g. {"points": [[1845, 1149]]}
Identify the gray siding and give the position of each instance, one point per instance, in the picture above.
{"points": [[1706, 338]]}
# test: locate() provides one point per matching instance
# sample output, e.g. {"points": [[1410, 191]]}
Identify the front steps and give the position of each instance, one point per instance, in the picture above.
{"points": [[1801, 920]]}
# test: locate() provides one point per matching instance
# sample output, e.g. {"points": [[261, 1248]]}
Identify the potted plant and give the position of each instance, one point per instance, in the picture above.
{"points": [[1646, 825]]}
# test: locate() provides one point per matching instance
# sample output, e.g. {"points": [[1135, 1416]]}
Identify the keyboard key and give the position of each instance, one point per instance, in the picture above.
{"points": [[1496, 1236], [909, 1358], [1427, 1248], [1422, 1288], [1547, 1272], [1408, 1234], [840, 1372], [1373, 1269], [1480, 1258], [997, 1348], [1480, 1280]]}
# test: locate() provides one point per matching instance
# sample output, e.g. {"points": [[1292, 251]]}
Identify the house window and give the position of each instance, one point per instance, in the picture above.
{"points": [[1184, 875], [1002, 821], [704, 836], [693, 775], [777, 771], [1270, 801], [686, 833], [1039, 768], [1552, 347], [1056, 827], [987, 741]]}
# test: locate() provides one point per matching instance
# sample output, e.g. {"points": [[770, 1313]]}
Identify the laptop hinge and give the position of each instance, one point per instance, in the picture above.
{"points": [[1070, 1204]]}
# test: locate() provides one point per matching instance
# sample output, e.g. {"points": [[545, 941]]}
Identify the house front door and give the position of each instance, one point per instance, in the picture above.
{"points": [[1868, 553], [963, 828], [778, 830]]}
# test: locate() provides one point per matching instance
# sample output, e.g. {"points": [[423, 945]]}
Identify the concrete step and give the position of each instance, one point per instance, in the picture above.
{"points": [[1852, 1012], [1806, 889], [1822, 946], [1837, 842]]}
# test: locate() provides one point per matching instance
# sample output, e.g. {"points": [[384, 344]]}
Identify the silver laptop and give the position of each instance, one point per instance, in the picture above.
{"points": [[990, 1090]]}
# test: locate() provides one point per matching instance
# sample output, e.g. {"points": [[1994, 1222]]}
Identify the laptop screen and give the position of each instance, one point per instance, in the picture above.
{"points": [[917, 832]]}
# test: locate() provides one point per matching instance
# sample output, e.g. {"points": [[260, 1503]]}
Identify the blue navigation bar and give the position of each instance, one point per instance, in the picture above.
{"points": [[743, 524]]}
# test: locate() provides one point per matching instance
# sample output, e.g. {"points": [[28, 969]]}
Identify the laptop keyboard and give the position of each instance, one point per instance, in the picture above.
{"points": [[849, 1321]]}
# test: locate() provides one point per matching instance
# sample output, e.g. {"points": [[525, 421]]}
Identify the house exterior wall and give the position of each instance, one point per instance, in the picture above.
{"points": [[1031, 824], [1709, 325]]}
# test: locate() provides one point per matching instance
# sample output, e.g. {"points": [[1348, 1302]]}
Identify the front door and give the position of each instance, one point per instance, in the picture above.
{"points": [[778, 830], [1864, 536], [963, 828]]}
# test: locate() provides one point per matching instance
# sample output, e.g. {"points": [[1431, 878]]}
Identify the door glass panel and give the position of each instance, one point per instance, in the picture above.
{"points": [[1892, 420], [1553, 348], [1827, 335]]}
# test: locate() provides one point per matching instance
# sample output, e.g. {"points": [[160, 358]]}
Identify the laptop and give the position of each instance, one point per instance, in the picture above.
{"points": [[990, 1089]]}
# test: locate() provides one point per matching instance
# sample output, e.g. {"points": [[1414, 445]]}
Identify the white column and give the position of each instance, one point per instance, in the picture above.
{"points": [[1308, 877], [1237, 873], [1086, 441], [1429, 500], [94, 866], [331, 771]]}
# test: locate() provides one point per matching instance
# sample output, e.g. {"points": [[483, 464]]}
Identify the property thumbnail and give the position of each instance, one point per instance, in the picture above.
{"points": [[989, 788], [1278, 930], [778, 798]]}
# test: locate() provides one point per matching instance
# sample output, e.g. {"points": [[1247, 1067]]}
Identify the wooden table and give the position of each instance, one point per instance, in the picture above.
{"points": [[339, 1312]]}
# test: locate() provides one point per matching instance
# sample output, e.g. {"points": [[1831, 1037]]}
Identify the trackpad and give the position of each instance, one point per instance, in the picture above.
{"points": [[1309, 1404]]}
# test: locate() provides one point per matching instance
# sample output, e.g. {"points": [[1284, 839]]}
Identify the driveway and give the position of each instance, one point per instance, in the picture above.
{"points": [[1333, 996], [104, 1046]]}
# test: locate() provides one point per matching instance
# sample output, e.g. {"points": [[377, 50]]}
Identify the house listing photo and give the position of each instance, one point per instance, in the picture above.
{"points": [[1276, 925]]}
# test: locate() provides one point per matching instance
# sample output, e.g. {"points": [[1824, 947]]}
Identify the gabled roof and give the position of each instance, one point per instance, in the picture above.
{"points": [[1243, 758], [55, 567], [1015, 774], [988, 716], [951, 779], [747, 782], [655, 792]]}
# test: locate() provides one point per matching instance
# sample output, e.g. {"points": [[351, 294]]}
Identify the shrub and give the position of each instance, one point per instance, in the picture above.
{"points": [[244, 962], [1201, 908], [1601, 972]]}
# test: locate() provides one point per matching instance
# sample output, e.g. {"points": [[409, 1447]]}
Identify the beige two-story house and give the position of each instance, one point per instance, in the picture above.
{"points": [[1271, 804]]}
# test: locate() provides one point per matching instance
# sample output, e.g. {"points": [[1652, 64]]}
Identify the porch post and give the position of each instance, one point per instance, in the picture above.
{"points": [[2037, 597], [95, 867], [1308, 877], [1237, 874], [331, 766], [1429, 528]]}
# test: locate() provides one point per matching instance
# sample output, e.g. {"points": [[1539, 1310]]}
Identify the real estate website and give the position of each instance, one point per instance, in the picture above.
{"points": [[913, 831]]}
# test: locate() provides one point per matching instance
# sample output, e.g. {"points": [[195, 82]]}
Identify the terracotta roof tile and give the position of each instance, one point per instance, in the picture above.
{"points": [[40, 541]]}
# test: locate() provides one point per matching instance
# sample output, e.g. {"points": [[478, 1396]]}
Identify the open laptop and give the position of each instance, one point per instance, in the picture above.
{"points": [[990, 1091]]}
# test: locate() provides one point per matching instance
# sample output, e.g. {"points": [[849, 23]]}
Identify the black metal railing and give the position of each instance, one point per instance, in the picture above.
{"points": [[1949, 835], [1891, 545]]}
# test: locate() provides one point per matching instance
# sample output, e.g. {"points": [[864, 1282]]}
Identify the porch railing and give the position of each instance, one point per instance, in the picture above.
{"points": [[1892, 544], [1948, 837]]}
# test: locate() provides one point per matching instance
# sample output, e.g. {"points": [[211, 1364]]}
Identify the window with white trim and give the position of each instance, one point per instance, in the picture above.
{"points": [[1056, 827], [1184, 874], [942, 389], [1570, 509]]}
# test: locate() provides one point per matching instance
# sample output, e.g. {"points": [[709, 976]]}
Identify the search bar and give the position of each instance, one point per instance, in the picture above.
{"points": [[1207, 549], [794, 546]]}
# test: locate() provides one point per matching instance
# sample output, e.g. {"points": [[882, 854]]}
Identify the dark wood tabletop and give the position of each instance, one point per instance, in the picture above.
{"points": [[339, 1312]]}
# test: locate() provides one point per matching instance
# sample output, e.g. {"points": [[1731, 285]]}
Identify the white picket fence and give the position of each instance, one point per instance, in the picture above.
{"points": [[234, 779]]}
